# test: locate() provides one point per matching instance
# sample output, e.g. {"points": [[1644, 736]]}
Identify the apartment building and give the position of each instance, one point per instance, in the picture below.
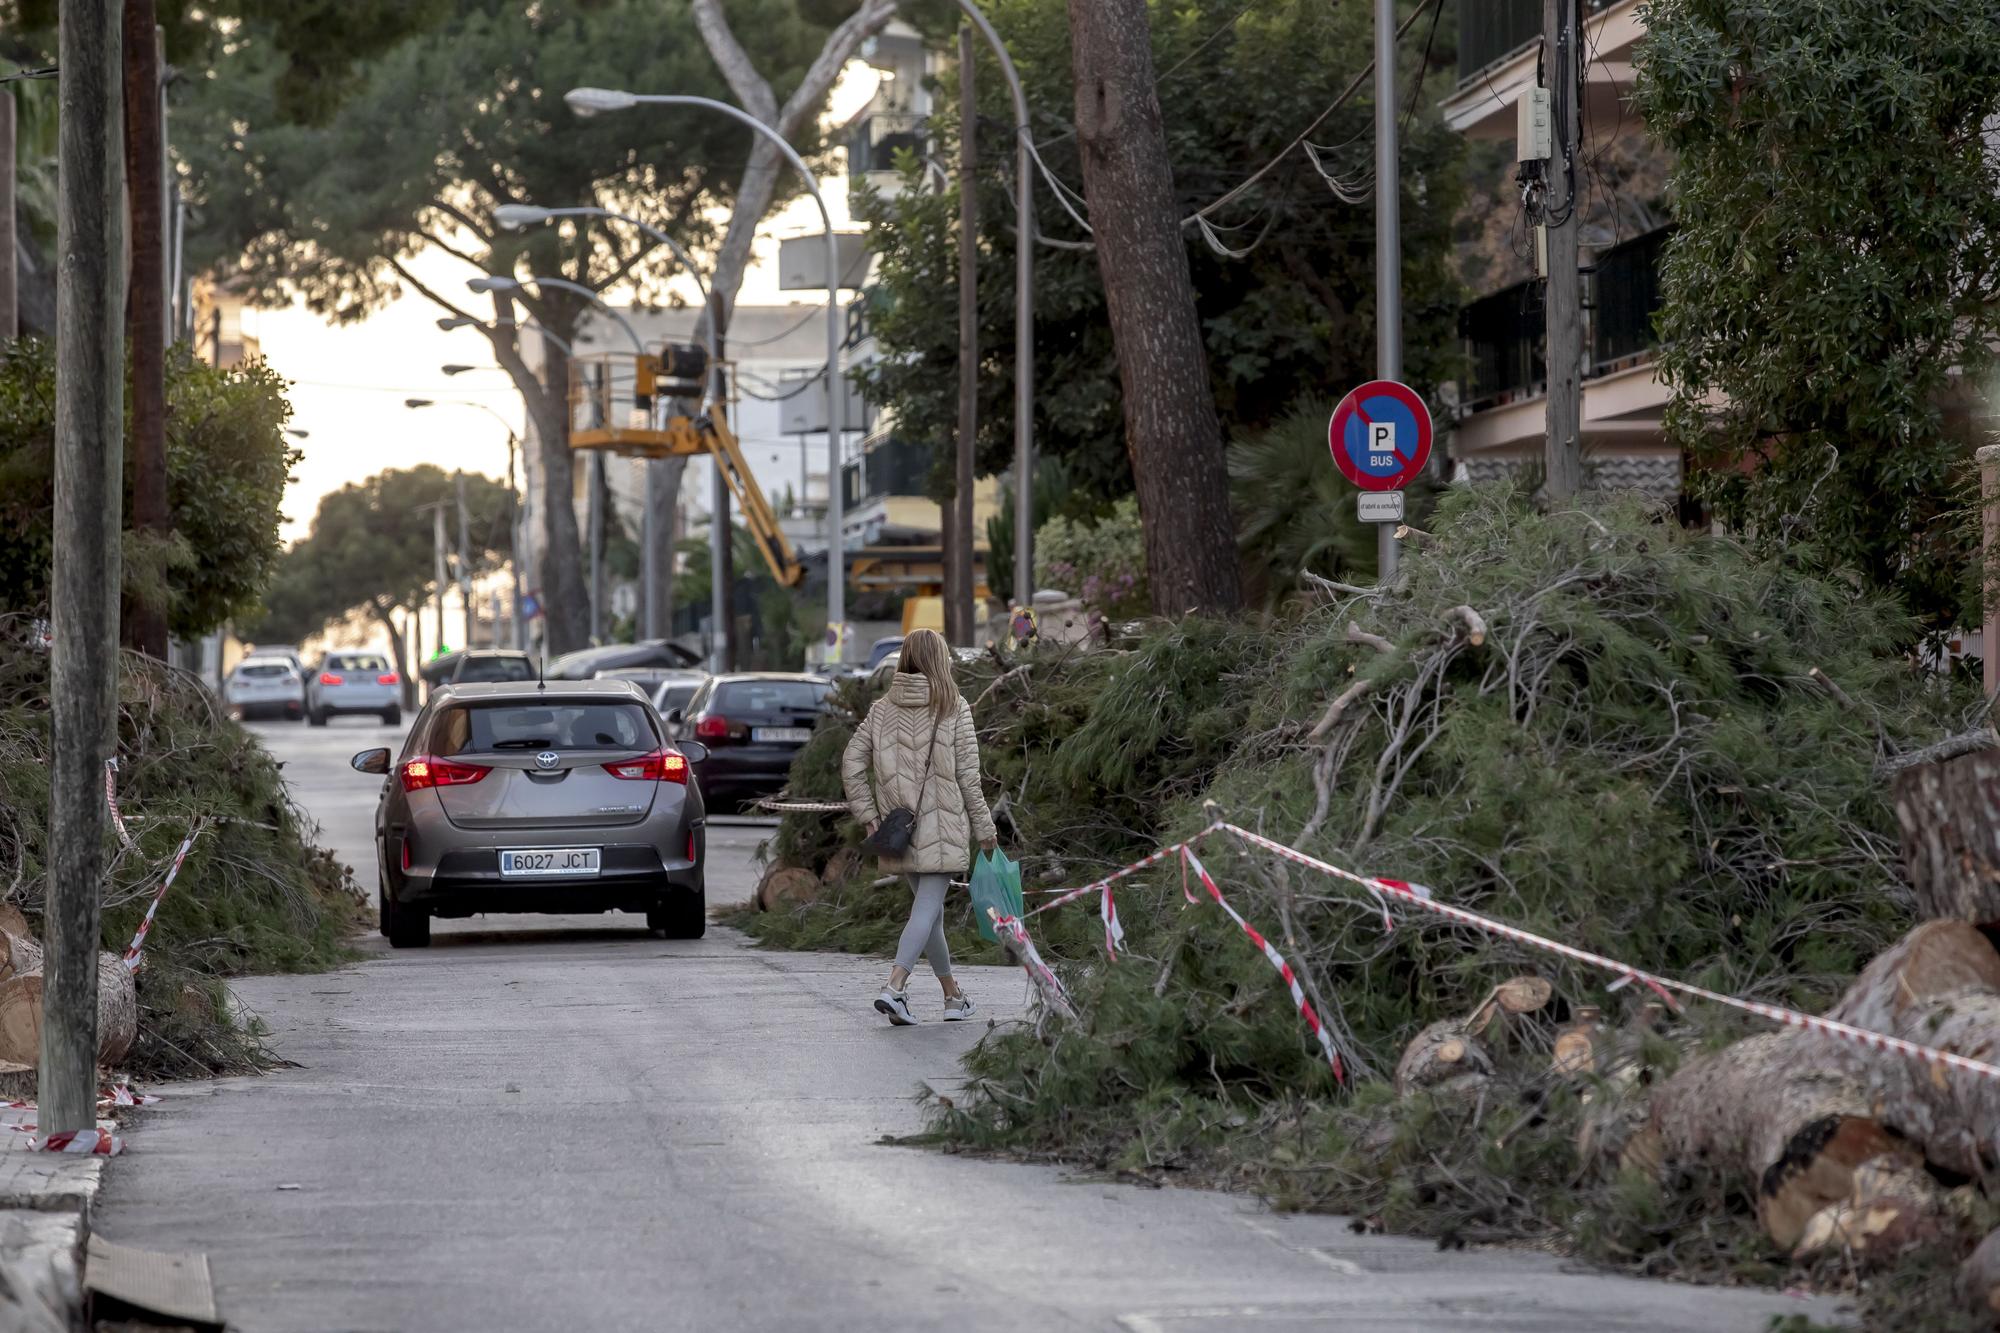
{"points": [[1624, 224]]}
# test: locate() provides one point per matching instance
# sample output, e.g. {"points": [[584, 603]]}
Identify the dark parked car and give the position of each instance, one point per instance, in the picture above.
{"points": [[523, 798], [753, 724], [477, 666], [587, 662]]}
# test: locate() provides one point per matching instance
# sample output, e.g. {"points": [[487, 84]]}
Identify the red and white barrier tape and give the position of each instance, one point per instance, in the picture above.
{"points": [[803, 807], [1418, 896], [1277, 960], [1038, 971], [111, 799], [134, 951], [95, 1142], [121, 1095]]}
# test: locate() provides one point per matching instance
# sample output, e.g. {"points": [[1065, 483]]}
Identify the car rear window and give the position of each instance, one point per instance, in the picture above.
{"points": [[358, 662], [263, 670], [769, 696], [675, 696], [485, 669], [483, 728]]}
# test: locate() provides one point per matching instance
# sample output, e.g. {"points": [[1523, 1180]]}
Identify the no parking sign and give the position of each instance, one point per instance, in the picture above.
{"points": [[1380, 435]]}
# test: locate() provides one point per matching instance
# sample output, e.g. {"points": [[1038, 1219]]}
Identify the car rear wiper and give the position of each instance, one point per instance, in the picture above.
{"points": [[522, 743]]}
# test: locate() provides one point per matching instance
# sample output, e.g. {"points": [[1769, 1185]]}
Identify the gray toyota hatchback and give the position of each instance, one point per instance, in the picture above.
{"points": [[525, 797]]}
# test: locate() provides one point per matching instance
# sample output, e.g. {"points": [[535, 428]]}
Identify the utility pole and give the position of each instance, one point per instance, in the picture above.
{"points": [[594, 533], [1564, 304], [1388, 241], [958, 618], [146, 310], [9, 298], [465, 565], [437, 550], [89, 471]]}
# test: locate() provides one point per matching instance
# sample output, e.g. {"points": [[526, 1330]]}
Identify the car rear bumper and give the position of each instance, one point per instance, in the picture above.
{"points": [[249, 708], [371, 700], [634, 878], [750, 772]]}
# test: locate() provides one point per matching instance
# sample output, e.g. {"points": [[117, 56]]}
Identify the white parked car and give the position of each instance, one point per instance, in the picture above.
{"points": [[264, 687], [354, 682]]}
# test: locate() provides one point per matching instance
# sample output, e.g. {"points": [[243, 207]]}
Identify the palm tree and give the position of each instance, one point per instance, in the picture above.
{"points": [[1294, 511]]}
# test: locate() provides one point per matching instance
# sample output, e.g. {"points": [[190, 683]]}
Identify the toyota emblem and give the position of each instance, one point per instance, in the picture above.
{"points": [[547, 759]]}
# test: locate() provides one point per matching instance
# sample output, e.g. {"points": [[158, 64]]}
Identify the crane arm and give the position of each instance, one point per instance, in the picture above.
{"points": [[757, 515]]}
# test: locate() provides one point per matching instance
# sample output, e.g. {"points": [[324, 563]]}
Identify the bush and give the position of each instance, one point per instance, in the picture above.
{"points": [[1102, 561], [255, 894]]}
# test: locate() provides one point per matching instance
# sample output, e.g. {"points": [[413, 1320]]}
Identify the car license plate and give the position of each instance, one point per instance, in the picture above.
{"points": [[550, 861], [781, 735]]}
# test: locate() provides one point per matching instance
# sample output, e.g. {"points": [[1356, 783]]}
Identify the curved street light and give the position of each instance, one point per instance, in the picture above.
{"points": [[515, 216], [590, 101]]}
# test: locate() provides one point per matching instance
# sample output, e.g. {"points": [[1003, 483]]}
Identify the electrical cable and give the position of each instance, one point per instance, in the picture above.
{"points": [[1206, 42]]}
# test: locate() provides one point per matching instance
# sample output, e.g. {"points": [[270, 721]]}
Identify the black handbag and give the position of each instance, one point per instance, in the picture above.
{"points": [[892, 836]]}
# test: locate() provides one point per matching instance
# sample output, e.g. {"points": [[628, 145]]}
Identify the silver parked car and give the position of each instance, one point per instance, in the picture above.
{"points": [[531, 797], [264, 687], [354, 682]]}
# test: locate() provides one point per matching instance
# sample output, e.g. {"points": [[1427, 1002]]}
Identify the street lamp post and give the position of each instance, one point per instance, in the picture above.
{"points": [[598, 489], [589, 101], [515, 216], [523, 559]]}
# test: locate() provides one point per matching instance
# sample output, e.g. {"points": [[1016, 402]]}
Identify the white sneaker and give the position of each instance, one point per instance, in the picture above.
{"points": [[957, 1008], [897, 1006]]}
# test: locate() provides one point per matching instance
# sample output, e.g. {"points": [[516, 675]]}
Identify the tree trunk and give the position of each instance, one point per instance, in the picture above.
{"points": [[1950, 817], [385, 616], [9, 264], [663, 501], [1171, 431], [23, 998], [146, 325], [564, 594], [19, 955], [1769, 1109], [89, 475]]}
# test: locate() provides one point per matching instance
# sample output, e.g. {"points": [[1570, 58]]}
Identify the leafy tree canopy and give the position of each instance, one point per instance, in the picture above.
{"points": [[371, 546], [1293, 317], [1830, 294], [227, 464], [452, 122]]}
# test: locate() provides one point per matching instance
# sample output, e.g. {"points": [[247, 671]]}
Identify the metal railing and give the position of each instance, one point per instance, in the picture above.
{"points": [[1626, 290], [1503, 343]]}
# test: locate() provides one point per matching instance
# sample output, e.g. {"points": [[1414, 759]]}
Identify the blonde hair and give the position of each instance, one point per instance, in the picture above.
{"points": [[924, 653]]}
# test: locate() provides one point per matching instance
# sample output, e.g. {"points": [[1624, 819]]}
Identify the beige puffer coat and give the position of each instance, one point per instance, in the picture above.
{"points": [[884, 766]]}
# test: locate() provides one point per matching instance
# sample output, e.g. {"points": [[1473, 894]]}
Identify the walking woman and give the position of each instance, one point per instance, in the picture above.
{"points": [[912, 779]]}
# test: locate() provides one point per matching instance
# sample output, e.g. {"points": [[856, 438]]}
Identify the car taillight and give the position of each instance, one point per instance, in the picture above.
{"points": [[328, 678], [659, 766], [428, 772], [712, 728], [387, 678]]}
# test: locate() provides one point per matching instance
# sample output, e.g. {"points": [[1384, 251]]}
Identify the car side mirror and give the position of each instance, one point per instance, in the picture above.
{"points": [[374, 761], [674, 715], [695, 751]]}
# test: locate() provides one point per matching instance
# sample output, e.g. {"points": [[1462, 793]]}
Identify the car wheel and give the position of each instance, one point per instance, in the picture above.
{"points": [[315, 718], [407, 927], [681, 916], [382, 911], [392, 718]]}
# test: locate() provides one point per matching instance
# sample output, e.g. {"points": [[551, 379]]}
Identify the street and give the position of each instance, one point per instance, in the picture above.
{"points": [[553, 1123]]}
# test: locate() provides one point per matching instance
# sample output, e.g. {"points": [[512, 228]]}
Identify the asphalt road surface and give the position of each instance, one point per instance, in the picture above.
{"points": [[560, 1123]]}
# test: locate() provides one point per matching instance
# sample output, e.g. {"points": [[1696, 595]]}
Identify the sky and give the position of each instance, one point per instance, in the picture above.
{"points": [[349, 381]]}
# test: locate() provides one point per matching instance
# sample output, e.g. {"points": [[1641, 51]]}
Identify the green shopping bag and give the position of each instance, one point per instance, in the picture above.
{"points": [[996, 883]]}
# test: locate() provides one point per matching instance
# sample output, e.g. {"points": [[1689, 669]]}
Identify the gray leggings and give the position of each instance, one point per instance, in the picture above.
{"points": [[925, 932]]}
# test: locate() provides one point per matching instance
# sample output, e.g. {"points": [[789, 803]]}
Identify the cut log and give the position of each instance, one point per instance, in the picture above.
{"points": [[1949, 814], [1979, 1278], [842, 866], [19, 954], [117, 1014], [1444, 1057], [13, 922], [1775, 1110], [786, 886], [17, 1082]]}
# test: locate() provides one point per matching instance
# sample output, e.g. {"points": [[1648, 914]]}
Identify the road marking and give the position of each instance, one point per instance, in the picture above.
{"points": [[1333, 1261]]}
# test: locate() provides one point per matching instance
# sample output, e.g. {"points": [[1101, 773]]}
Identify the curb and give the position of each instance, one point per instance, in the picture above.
{"points": [[45, 1202]]}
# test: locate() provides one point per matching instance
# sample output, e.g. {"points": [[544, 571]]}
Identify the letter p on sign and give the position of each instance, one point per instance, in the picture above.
{"points": [[1382, 443]]}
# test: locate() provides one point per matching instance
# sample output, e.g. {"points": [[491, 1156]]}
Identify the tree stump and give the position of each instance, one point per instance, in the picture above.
{"points": [[786, 886], [1949, 814], [19, 954], [17, 1082], [842, 866], [13, 922], [117, 1014]]}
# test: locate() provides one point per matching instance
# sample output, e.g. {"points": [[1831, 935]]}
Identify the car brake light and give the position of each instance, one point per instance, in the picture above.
{"points": [[712, 728], [424, 772], [387, 678], [328, 678], [659, 766]]}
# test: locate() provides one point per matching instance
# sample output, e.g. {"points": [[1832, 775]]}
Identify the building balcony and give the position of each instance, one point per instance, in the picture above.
{"points": [[1503, 402], [873, 142], [1498, 46]]}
